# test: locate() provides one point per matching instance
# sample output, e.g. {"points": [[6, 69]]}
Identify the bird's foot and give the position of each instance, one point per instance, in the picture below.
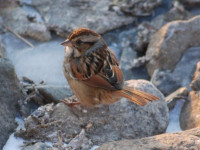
{"points": [[71, 102]]}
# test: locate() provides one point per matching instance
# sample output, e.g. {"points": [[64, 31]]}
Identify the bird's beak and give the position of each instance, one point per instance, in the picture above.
{"points": [[66, 43]]}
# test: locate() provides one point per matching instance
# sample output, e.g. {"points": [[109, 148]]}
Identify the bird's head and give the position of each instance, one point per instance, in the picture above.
{"points": [[83, 41]]}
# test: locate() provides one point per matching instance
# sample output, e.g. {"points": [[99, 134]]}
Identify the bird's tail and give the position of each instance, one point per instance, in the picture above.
{"points": [[139, 97]]}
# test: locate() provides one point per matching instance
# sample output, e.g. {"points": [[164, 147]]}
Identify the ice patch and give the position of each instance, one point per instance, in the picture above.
{"points": [[174, 123]]}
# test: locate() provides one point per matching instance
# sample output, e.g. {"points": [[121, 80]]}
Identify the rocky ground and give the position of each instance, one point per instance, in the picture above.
{"points": [[154, 40]]}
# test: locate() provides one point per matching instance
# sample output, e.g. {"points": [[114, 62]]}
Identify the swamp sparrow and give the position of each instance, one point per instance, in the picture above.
{"points": [[93, 72]]}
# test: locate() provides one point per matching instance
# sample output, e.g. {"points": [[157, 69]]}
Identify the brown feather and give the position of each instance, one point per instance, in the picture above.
{"points": [[93, 72], [137, 96]]}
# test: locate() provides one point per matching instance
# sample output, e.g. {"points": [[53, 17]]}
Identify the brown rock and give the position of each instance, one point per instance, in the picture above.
{"points": [[190, 113], [185, 140], [147, 29], [195, 84], [170, 42]]}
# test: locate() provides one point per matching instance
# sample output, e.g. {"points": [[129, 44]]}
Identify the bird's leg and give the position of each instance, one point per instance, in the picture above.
{"points": [[71, 102]]}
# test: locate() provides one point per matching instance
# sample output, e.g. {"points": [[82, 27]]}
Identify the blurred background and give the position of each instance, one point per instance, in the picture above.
{"points": [[155, 40]]}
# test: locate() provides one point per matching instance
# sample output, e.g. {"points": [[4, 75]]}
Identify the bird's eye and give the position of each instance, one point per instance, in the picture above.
{"points": [[79, 42]]}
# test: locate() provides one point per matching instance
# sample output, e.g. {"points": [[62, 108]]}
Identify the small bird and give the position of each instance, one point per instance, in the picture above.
{"points": [[93, 72]]}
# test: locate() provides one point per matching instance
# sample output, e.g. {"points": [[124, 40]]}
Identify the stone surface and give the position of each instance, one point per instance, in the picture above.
{"points": [[190, 112], [136, 8], [64, 16], [164, 81], [8, 3], [54, 93], [195, 84], [1, 49], [181, 93], [173, 38], [191, 3], [146, 30], [128, 54], [184, 70], [17, 20], [168, 81], [9, 96], [121, 120], [181, 140], [37, 146]]}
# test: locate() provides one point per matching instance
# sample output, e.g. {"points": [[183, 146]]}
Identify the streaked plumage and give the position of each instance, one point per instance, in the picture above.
{"points": [[93, 72]]}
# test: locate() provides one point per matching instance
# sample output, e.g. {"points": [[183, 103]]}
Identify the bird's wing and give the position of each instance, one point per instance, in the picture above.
{"points": [[100, 69]]}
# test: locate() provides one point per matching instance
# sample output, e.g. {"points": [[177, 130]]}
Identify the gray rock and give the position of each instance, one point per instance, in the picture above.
{"points": [[121, 120], [9, 95], [8, 3], [54, 93], [64, 16], [181, 93], [137, 8], [190, 112], [195, 84], [181, 140], [37, 146], [190, 3], [128, 54], [170, 42], [164, 81], [185, 68], [17, 20], [1, 49]]}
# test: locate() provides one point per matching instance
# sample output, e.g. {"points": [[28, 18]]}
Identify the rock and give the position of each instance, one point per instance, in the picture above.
{"points": [[121, 120], [181, 76], [146, 30], [64, 16], [137, 8], [190, 112], [164, 81], [37, 146], [191, 3], [181, 93], [17, 20], [173, 38], [8, 3], [195, 84], [1, 49], [186, 66], [181, 140], [54, 93], [9, 95], [128, 54], [144, 33]]}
